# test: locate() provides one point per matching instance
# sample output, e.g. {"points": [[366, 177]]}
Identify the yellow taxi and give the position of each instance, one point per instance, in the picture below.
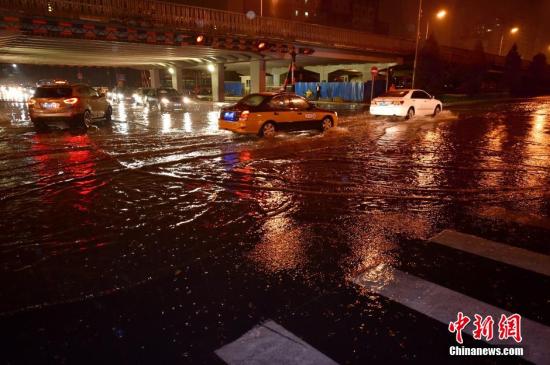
{"points": [[266, 113]]}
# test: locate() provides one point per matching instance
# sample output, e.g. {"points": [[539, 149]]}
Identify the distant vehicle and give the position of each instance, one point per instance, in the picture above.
{"points": [[139, 95], [120, 93], [266, 113], [164, 99], [406, 103], [75, 105]]}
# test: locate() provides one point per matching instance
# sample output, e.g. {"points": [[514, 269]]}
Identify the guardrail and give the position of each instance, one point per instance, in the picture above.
{"points": [[172, 15]]}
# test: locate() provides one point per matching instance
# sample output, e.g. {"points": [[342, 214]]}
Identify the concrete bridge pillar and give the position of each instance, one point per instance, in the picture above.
{"points": [[154, 75], [217, 75], [177, 81], [257, 76]]}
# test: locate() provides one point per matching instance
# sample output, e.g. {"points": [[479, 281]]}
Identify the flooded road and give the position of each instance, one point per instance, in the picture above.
{"points": [[160, 237]]}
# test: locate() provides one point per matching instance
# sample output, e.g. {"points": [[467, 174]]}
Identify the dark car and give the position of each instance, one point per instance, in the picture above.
{"points": [[163, 99]]}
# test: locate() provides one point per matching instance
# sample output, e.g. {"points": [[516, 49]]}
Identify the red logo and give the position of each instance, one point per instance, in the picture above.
{"points": [[508, 327], [461, 323]]}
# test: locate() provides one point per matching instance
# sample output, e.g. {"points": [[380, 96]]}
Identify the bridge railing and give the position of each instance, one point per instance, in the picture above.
{"points": [[166, 14]]}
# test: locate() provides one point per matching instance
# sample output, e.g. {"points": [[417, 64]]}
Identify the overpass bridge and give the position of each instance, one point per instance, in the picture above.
{"points": [[158, 35]]}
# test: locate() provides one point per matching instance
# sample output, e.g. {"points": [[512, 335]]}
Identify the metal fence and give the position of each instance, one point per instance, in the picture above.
{"points": [[170, 15]]}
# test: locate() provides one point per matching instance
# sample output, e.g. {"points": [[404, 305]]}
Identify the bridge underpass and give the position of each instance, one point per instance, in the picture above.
{"points": [[22, 49], [118, 34]]}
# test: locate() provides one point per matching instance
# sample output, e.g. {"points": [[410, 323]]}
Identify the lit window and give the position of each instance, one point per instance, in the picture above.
{"points": [[305, 1], [296, 12], [306, 14]]}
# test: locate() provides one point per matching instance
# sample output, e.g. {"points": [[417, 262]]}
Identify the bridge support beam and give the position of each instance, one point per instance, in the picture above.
{"points": [[177, 81], [154, 75], [218, 92], [257, 76]]}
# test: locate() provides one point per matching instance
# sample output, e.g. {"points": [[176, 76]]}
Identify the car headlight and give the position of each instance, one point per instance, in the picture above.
{"points": [[164, 101], [186, 100], [120, 96]]}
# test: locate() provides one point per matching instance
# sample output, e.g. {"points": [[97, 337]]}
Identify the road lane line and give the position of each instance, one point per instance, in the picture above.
{"points": [[270, 343], [443, 304], [507, 254], [521, 218]]}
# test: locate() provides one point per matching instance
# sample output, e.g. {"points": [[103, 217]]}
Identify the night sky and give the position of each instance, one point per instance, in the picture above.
{"points": [[469, 20]]}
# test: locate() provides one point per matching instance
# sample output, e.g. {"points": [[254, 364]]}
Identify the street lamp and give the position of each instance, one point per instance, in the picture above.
{"points": [[210, 67], [513, 31], [417, 40], [441, 14]]}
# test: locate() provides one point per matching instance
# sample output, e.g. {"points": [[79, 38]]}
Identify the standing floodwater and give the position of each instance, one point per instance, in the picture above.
{"points": [[166, 235]]}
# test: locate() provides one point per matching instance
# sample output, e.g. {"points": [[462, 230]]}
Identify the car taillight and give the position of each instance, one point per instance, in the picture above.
{"points": [[71, 101], [244, 115], [398, 102], [31, 101]]}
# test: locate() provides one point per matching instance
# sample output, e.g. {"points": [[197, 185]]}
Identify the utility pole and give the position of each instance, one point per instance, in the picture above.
{"points": [[417, 41]]}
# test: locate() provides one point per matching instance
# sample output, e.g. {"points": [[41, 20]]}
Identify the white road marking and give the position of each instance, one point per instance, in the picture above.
{"points": [[443, 305], [269, 343], [507, 254]]}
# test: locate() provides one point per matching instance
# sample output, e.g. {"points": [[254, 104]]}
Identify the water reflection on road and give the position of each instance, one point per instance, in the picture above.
{"points": [[139, 198]]}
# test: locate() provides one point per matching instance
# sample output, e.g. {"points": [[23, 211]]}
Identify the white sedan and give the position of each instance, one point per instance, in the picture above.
{"points": [[405, 103]]}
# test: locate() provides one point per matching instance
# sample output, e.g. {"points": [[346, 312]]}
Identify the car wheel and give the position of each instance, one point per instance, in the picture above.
{"points": [[268, 130], [326, 124], [109, 114], [437, 111], [410, 114], [86, 120]]}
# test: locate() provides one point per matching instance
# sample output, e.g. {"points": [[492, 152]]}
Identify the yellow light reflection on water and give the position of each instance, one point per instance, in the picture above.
{"points": [[212, 121], [166, 119], [187, 122]]}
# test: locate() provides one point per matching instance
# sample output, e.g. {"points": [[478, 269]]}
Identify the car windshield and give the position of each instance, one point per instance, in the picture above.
{"points": [[167, 92], [252, 100], [394, 94], [53, 92]]}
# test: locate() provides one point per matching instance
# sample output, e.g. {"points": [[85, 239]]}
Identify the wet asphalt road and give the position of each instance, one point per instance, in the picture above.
{"points": [[159, 238]]}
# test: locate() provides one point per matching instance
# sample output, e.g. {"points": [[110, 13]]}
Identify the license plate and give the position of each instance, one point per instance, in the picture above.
{"points": [[229, 116], [50, 105], [383, 104], [177, 105]]}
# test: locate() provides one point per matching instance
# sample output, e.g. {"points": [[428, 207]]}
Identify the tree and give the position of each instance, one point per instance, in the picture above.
{"points": [[430, 69], [536, 76], [476, 71], [512, 70]]}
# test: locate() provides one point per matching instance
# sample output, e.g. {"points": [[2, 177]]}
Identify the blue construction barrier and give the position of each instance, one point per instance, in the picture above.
{"points": [[233, 88], [347, 91], [379, 89]]}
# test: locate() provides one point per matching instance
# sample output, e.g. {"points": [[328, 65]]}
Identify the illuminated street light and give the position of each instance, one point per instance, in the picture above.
{"points": [[14, 65], [513, 31], [211, 67], [441, 14], [199, 39], [171, 70]]}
